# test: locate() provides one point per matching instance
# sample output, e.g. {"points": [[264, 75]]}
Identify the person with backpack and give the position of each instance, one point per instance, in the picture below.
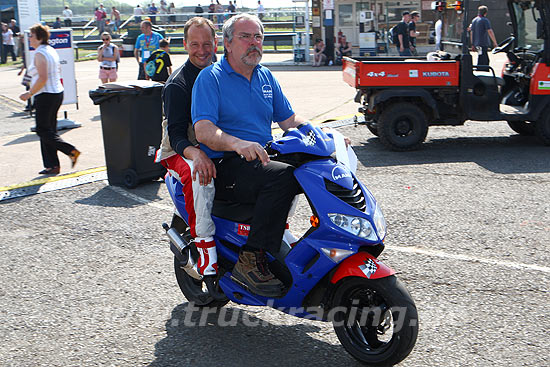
{"points": [[401, 35], [146, 43], [158, 66], [107, 55]]}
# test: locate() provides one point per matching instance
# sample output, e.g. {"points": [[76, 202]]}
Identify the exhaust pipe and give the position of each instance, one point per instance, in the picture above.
{"points": [[180, 248]]}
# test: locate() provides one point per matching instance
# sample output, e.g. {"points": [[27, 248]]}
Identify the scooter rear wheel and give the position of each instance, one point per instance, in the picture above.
{"points": [[195, 290], [377, 321]]}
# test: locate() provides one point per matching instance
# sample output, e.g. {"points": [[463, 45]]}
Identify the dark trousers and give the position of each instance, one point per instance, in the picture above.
{"points": [[483, 58], [68, 22], [47, 105], [141, 72], [8, 49], [271, 188], [406, 51]]}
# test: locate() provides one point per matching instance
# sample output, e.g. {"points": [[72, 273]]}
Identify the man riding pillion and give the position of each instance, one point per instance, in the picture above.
{"points": [[234, 104], [179, 151]]}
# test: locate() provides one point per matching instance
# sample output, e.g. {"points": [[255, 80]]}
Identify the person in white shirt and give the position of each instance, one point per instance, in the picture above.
{"points": [[138, 12], [47, 88], [260, 10], [7, 44], [438, 33], [67, 14], [107, 55]]}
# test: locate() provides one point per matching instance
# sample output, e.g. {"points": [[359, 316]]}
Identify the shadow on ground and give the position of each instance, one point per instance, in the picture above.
{"points": [[249, 341], [504, 155]]}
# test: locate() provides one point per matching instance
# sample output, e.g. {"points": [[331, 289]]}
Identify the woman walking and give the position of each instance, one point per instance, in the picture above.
{"points": [[107, 55], [7, 43], [46, 86]]}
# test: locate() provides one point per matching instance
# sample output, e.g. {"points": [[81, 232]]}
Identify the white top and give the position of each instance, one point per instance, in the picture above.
{"points": [[7, 38], [260, 9], [108, 51], [68, 13], [438, 29], [53, 84], [138, 11]]}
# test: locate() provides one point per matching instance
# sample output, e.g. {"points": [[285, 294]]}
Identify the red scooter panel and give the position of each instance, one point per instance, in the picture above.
{"points": [[364, 265]]}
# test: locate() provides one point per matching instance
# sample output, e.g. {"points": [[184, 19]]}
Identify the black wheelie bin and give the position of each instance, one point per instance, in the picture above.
{"points": [[131, 118]]}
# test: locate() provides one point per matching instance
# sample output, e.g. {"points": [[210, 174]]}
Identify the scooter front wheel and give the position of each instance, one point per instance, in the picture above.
{"points": [[375, 320]]}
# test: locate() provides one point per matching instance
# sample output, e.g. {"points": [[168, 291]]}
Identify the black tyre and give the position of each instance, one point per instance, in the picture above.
{"points": [[373, 127], [194, 290], [522, 127], [542, 128], [131, 179], [402, 126], [378, 321]]}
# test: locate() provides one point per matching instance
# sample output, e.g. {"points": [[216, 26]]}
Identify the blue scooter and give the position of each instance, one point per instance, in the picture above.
{"points": [[331, 273]]}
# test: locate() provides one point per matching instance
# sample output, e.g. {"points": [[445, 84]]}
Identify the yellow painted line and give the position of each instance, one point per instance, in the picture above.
{"points": [[42, 181]]}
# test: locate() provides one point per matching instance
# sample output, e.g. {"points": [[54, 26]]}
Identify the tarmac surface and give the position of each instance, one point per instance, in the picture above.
{"points": [[87, 275]]}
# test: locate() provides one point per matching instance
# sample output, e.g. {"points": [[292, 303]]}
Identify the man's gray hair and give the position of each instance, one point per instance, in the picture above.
{"points": [[229, 25]]}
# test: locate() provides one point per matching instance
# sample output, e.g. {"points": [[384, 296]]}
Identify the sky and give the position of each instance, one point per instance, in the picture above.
{"points": [[240, 3]]}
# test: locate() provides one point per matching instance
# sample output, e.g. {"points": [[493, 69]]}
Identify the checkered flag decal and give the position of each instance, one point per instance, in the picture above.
{"points": [[310, 138], [368, 268]]}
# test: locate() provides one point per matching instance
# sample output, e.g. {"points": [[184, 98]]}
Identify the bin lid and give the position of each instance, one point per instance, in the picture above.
{"points": [[132, 87]]}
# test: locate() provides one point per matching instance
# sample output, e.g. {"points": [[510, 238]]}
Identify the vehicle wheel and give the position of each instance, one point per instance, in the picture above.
{"points": [[402, 127], [130, 178], [380, 323], [373, 127], [522, 127], [194, 290], [542, 128]]}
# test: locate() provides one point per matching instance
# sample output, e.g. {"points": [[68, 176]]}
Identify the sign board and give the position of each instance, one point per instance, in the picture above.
{"points": [[29, 13], [62, 41], [328, 4], [366, 16]]}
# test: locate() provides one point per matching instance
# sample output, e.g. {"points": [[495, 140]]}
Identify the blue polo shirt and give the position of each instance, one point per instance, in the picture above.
{"points": [[242, 108], [148, 43]]}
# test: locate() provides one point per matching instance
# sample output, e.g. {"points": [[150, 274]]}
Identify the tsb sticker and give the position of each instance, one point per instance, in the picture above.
{"points": [[243, 229], [413, 73], [544, 85], [267, 91]]}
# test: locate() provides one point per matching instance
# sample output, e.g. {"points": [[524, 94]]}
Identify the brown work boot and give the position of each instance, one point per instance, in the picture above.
{"points": [[252, 270]]}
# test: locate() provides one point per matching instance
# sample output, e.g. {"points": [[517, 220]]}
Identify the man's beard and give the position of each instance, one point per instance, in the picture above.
{"points": [[249, 60]]}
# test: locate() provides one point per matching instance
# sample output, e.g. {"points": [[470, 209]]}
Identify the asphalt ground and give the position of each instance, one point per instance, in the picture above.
{"points": [[87, 278], [87, 275]]}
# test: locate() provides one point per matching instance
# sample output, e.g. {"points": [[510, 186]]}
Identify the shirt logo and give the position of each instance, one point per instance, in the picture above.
{"points": [[267, 91]]}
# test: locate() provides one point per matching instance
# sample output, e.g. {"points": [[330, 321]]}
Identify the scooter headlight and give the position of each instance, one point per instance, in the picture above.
{"points": [[357, 226], [379, 222]]}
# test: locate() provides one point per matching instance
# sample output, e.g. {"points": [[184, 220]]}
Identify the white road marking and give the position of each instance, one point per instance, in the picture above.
{"points": [[444, 255], [410, 250]]}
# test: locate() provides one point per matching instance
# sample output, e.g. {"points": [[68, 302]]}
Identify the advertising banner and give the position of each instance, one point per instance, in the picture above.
{"points": [[62, 41]]}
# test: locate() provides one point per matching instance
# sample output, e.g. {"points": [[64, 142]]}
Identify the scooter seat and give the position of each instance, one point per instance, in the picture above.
{"points": [[489, 79], [236, 212]]}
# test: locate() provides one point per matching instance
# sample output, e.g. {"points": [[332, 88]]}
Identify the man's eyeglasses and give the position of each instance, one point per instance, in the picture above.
{"points": [[105, 39], [249, 37]]}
